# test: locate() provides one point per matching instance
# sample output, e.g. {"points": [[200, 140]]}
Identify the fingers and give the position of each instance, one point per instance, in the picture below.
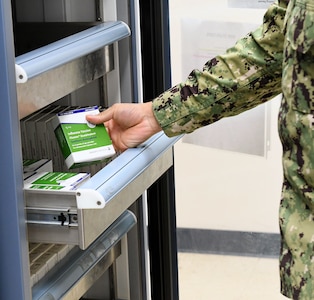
{"points": [[102, 117]]}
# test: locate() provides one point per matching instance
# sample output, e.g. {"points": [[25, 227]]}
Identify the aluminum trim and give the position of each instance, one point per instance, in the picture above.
{"points": [[48, 57], [79, 274], [126, 167]]}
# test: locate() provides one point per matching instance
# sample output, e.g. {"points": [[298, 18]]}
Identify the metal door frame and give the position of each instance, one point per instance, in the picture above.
{"points": [[161, 196], [14, 271]]}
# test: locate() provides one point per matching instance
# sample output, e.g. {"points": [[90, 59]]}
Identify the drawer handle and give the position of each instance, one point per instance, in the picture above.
{"points": [[53, 55]]}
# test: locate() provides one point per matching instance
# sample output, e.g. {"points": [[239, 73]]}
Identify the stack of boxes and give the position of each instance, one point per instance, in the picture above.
{"points": [[61, 149]]}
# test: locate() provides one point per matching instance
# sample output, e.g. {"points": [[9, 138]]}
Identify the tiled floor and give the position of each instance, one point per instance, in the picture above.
{"points": [[221, 277]]}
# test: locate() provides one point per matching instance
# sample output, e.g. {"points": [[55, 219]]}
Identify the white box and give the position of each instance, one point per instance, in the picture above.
{"points": [[82, 143], [57, 181]]}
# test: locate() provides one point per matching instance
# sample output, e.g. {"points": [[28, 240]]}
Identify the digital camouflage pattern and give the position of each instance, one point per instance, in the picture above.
{"points": [[296, 120], [277, 58]]}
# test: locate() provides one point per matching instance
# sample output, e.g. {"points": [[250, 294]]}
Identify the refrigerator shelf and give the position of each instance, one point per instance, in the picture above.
{"points": [[69, 217], [46, 58], [71, 277]]}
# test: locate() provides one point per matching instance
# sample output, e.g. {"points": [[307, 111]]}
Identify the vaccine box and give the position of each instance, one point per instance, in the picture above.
{"points": [[57, 181], [33, 166], [81, 142], [37, 165]]}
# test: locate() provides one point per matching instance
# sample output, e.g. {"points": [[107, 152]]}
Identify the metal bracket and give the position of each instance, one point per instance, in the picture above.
{"points": [[55, 217], [89, 199], [21, 76]]}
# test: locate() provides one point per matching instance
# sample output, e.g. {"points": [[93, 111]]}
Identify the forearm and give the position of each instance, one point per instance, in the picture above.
{"points": [[246, 75]]}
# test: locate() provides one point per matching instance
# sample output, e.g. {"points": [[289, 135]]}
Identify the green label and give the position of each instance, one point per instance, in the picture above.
{"points": [[46, 187], [62, 142], [53, 178], [80, 137], [27, 162]]}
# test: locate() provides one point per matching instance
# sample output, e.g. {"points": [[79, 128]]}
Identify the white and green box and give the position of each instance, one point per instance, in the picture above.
{"points": [[37, 165], [82, 143], [57, 181]]}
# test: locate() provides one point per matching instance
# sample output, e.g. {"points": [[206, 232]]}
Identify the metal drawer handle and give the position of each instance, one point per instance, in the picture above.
{"points": [[43, 59]]}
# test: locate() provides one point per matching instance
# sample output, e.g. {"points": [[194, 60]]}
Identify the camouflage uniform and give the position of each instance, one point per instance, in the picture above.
{"points": [[277, 57]]}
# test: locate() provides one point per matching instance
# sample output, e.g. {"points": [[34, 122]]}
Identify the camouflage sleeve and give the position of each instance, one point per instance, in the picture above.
{"points": [[248, 74]]}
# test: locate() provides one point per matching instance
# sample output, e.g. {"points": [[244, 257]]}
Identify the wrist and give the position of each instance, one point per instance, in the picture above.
{"points": [[154, 124]]}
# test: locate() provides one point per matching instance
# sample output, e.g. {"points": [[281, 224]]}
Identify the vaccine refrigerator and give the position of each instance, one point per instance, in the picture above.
{"points": [[117, 232]]}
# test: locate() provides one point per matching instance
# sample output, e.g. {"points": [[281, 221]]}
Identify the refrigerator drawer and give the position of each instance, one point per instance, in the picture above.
{"points": [[79, 217], [51, 72], [76, 273]]}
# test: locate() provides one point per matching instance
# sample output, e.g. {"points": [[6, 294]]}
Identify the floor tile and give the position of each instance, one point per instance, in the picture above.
{"points": [[206, 277]]}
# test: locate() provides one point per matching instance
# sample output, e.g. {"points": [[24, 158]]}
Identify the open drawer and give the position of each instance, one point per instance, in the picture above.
{"points": [[79, 217]]}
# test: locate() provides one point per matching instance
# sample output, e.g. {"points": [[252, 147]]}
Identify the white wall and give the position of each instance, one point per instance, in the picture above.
{"points": [[219, 189]]}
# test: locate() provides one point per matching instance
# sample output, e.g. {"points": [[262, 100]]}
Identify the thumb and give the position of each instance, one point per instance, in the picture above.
{"points": [[102, 117]]}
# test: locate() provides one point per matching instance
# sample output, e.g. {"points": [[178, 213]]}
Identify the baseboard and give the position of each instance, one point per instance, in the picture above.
{"points": [[228, 242]]}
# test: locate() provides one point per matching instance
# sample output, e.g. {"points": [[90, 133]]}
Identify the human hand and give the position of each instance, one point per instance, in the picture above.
{"points": [[128, 124]]}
